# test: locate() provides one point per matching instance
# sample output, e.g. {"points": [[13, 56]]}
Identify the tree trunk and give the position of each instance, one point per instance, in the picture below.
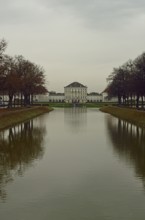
{"points": [[142, 102], [10, 101], [31, 99], [119, 99], [137, 102], [26, 99], [131, 100]]}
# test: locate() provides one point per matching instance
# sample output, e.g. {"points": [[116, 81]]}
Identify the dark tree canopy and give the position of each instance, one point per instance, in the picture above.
{"points": [[128, 82], [20, 76]]}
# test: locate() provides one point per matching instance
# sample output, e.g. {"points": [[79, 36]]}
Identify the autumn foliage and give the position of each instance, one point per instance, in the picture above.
{"points": [[19, 76], [128, 82]]}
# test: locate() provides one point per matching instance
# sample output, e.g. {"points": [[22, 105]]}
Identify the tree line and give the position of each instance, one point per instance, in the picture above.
{"points": [[127, 82], [19, 76]]}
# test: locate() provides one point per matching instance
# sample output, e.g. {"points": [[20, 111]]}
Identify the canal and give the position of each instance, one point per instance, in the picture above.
{"points": [[72, 164]]}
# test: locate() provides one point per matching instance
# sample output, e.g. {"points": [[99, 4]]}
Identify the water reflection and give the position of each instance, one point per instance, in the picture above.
{"points": [[75, 118], [19, 146], [129, 142]]}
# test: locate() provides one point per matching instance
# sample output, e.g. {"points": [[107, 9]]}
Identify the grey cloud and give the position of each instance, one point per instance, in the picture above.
{"points": [[54, 35], [18, 12], [100, 13]]}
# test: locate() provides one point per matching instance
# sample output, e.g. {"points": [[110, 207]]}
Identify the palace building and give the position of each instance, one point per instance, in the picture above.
{"points": [[75, 93]]}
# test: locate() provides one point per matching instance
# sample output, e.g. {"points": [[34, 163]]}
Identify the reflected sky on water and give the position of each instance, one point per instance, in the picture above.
{"points": [[75, 164]]}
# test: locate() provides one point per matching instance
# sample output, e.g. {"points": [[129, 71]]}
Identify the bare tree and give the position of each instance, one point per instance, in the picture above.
{"points": [[3, 45], [32, 79], [20, 76], [128, 81], [11, 79]]}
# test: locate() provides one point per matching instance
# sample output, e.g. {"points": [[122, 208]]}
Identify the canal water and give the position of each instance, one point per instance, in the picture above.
{"points": [[72, 164]]}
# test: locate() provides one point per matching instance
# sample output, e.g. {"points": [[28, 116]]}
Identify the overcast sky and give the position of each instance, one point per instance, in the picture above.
{"points": [[74, 40]]}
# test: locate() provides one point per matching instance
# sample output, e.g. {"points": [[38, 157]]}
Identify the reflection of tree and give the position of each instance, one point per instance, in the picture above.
{"points": [[129, 142], [19, 146]]}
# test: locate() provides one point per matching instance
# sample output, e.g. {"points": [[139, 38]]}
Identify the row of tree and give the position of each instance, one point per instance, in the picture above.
{"points": [[20, 77], [128, 82]]}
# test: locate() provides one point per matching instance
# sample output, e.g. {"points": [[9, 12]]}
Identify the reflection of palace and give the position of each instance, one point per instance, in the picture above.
{"points": [[19, 146], [75, 118], [129, 142]]}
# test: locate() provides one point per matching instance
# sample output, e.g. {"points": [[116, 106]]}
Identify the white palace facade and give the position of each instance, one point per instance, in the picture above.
{"points": [[74, 93]]}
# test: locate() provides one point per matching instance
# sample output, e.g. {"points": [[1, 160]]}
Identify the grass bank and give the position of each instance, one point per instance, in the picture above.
{"points": [[134, 116], [11, 117], [70, 105], [98, 104], [60, 105]]}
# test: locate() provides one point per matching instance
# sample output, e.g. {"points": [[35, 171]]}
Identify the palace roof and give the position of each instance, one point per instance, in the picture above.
{"points": [[76, 84]]}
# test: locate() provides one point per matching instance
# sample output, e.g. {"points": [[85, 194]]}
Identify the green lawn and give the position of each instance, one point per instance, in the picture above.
{"points": [[131, 115], [12, 117], [69, 105]]}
